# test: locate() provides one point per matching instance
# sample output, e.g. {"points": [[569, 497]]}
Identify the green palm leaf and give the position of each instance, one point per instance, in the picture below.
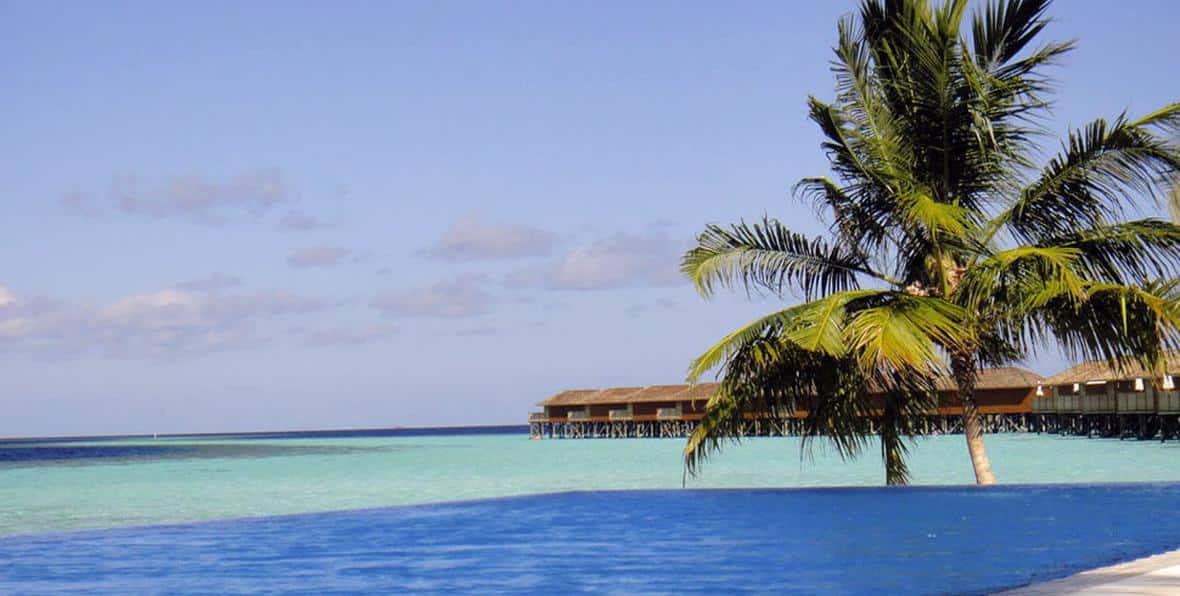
{"points": [[815, 327], [1104, 171], [769, 256], [1125, 252], [903, 334]]}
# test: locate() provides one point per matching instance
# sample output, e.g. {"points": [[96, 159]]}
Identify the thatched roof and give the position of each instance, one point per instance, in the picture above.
{"points": [[1006, 377], [1101, 370], [675, 392], [989, 378], [618, 395]]}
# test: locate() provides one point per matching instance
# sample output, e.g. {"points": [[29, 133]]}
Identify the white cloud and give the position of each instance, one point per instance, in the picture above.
{"points": [[621, 260], [6, 297], [193, 198], [318, 256], [472, 239], [296, 221], [462, 296], [159, 324]]}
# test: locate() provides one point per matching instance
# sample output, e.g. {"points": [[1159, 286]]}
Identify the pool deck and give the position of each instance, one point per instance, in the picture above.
{"points": [[1159, 574]]}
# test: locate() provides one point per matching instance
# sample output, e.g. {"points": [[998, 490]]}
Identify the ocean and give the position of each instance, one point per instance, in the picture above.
{"points": [[73, 484]]}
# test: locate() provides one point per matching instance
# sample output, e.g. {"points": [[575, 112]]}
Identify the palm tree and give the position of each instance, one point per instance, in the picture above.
{"points": [[949, 249]]}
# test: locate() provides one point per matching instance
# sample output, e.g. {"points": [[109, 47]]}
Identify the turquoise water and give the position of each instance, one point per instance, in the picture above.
{"points": [[173, 480]]}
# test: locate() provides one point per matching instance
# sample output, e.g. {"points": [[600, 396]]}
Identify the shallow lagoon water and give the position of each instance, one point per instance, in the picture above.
{"points": [[56, 486]]}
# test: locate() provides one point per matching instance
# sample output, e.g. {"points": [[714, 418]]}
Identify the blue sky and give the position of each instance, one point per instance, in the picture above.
{"points": [[227, 216]]}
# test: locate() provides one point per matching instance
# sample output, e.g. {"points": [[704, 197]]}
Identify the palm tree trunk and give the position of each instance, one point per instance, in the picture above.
{"points": [[965, 375]]}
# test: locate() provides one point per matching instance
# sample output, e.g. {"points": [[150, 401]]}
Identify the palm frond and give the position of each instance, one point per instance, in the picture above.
{"points": [[903, 334], [736, 340], [809, 326], [1104, 171], [936, 218], [1001, 30], [773, 380], [1002, 291], [905, 399], [1115, 323], [851, 224], [769, 256], [1125, 252]]}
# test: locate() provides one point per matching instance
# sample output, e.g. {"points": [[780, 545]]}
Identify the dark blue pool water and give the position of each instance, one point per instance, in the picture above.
{"points": [[836, 541]]}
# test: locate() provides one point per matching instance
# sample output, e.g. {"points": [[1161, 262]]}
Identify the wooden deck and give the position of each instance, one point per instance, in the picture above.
{"points": [[1139, 426]]}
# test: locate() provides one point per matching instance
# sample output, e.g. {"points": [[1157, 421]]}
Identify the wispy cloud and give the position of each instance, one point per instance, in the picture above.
{"points": [[211, 283], [166, 323], [662, 304], [193, 198], [462, 296], [351, 336], [617, 261], [297, 221], [318, 256], [473, 239]]}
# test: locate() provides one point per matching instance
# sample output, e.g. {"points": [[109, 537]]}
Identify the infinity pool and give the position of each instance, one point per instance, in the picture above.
{"points": [[919, 540]]}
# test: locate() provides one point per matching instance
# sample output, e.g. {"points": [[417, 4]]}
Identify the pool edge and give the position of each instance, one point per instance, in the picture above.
{"points": [[1153, 574], [476, 501]]}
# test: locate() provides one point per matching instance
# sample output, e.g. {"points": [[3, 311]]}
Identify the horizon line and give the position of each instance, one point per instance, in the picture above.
{"points": [[257, 432]]}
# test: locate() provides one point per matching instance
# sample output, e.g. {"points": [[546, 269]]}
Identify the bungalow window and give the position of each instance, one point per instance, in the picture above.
{"points": [[1095, 387], [1129, 386]]}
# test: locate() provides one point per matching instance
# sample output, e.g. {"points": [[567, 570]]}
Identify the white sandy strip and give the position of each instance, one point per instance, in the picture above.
{"points": [[1159, 574]]}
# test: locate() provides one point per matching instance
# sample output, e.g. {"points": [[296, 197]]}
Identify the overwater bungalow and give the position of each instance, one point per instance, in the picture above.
{"points": [[1095, 398], [1005, 397]]}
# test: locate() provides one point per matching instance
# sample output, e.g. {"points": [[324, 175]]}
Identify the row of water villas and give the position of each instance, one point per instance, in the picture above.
{"points": [[1091, 399]]}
